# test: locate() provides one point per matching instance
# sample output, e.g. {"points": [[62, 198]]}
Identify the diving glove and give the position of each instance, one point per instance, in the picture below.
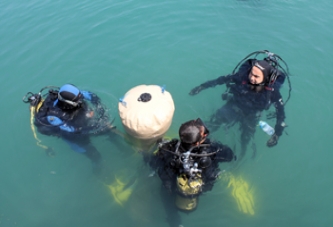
{"points": [[93, 98], [273, 140], [196, 90]]}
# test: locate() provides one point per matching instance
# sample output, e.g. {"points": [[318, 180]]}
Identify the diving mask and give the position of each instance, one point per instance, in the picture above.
{"points": [[72, 103]]}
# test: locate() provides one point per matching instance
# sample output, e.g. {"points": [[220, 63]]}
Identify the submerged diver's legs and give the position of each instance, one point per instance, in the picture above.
{"points": [[248, 128], [168, 200], [227, 114], [81, 144], [95, 157]]}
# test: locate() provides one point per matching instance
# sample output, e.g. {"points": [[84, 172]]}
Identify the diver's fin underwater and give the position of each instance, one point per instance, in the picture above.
{"points": [[241, 193], [121, 190]]}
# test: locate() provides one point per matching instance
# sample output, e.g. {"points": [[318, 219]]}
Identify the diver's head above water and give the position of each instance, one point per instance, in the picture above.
{"points": [[69, 97], [260, 72], [192, 133]]}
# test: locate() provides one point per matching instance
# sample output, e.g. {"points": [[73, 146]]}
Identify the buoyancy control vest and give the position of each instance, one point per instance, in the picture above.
{"points": [[51, 118], [194, 162]]}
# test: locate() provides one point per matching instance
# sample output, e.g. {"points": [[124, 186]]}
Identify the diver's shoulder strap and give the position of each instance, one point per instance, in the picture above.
{"points": [[224, 152], [170, 147]]}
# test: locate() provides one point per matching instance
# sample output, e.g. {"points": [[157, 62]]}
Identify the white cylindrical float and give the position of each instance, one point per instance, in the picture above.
{"points": [[146, 112]]}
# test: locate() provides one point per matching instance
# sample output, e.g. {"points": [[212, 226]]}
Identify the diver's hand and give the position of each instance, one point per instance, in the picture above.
{"points": [[273, 140], [93, 98], [87, 95], [196, 90]]}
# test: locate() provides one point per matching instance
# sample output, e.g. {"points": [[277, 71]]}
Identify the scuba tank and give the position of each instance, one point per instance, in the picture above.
{"points": [[189, 182], [188, 191]]}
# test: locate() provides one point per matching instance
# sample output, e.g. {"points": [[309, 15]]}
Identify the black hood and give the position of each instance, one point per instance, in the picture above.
{"points": [[265, 68]]}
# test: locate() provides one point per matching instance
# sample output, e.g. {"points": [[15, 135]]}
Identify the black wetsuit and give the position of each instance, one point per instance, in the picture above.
{"points": [[70, 124], [169, 166], [245, 105]]}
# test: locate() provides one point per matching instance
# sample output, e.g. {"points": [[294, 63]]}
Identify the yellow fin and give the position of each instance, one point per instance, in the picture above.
{"points": [[121, 191], [242, 195]]}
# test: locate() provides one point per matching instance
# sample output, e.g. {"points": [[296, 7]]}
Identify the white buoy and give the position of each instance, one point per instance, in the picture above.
{"points": [[146, 112]]}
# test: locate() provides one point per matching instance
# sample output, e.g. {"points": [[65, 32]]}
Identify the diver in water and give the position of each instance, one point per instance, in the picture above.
{"points": [[72, 115], [189, 166], [251, 90]]}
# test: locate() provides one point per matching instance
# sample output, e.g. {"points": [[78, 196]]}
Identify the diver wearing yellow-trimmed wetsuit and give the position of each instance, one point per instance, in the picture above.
{"points": [[73, 115], [190, 166]]}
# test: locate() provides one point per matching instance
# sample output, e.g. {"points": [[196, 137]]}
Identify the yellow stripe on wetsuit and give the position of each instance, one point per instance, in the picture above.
{"points": [[33, 109]]}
